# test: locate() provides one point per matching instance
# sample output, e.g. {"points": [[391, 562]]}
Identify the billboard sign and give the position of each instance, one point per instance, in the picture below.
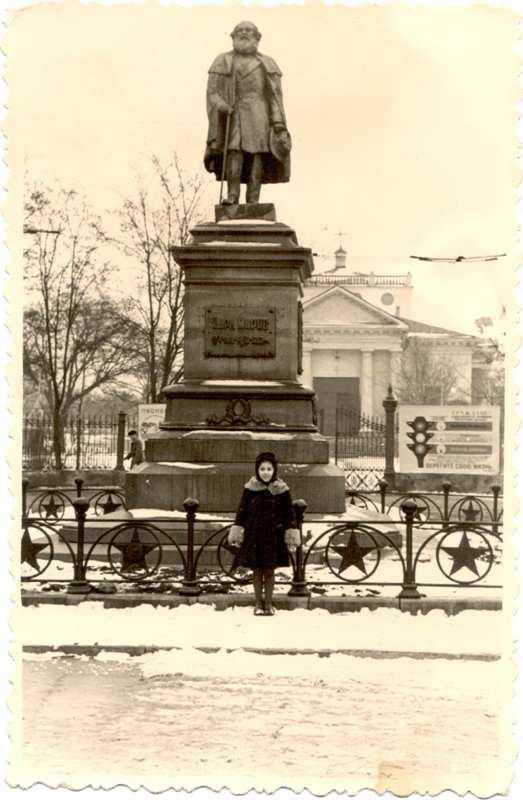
{"points": [[449, 439], [149, 418]]}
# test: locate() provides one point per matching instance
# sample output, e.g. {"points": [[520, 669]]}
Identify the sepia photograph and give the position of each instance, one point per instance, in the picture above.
{"points": [[261, 273]]}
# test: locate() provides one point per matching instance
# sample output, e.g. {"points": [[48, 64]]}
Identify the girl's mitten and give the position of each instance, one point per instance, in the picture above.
{"points": [[236, 535], [292, 538]]}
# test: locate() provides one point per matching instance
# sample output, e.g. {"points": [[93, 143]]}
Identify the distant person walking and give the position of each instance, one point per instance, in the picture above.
{"points": [[265, 529], [136, 451]]}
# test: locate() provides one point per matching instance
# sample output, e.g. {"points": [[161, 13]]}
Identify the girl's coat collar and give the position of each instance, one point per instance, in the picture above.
{"points": [[275, 487]]}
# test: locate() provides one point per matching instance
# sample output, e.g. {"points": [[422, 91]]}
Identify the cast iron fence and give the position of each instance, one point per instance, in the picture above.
{"points": [[434, 507], [460, 535], [361, 280], [88, 442], [359, 444], [55, 505]]}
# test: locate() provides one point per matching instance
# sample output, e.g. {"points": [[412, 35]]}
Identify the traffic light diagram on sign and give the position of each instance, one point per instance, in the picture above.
{"points": [[420, 437]]}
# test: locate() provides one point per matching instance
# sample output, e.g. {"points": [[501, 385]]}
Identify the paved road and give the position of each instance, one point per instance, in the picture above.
{"points": [[357, 722]]}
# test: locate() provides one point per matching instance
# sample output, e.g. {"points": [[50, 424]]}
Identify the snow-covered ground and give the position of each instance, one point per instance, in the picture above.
{"points": [[199, 625], [245, 720]]}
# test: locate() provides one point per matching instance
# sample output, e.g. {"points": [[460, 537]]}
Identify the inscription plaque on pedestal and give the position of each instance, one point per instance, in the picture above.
{"points": [[240, 332]]}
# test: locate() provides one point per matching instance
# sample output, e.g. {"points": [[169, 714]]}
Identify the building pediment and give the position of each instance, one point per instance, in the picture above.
{"points": [[338, 306]]}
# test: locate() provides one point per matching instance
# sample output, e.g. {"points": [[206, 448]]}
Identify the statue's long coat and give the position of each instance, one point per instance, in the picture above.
{"points": [[258, 104], [264, 514]]}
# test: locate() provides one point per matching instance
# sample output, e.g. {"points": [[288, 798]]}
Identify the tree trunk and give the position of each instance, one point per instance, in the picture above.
{"points": [[152, 366], [57, 439]]}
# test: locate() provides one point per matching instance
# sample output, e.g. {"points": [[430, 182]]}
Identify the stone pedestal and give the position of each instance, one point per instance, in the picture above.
{"points": [[241, 394]]}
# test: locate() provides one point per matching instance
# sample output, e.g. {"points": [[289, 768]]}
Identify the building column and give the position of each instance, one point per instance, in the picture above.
{"points": [[306, 377], [395, 369], [366, 383]]}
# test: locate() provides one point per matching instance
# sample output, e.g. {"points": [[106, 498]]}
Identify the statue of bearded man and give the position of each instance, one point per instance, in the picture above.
{"points": [[246, 118]]}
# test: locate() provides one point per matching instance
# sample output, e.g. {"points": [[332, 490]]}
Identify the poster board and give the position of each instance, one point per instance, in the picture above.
{"points": [[149, 418], [449, 439]]}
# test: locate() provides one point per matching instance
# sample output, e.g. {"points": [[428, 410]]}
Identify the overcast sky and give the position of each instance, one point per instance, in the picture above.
{"points": [[402, 123]]}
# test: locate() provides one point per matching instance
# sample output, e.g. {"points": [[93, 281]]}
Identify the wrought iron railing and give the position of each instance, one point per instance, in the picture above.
{"points": [[434, 507], [54, 505], [460, 535], [360, 280], [87, 442], [360, 445]]}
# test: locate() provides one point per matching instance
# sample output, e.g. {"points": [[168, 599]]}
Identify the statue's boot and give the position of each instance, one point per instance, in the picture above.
{"points": [[255, 179], [233, 173]]}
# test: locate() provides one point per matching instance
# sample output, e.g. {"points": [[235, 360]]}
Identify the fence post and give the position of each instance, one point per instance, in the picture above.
{"points": [[336, 440], [190, 585], [390, 404], [79, 483], [299, 583], [78, 441], [496, 489], [383, 484], [79, 585], [446, 486], [120, 442], [410, 589], [25, 486]]}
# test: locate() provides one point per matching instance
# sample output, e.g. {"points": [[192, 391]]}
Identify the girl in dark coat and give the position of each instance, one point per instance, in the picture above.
{"points": [[265, 527]]}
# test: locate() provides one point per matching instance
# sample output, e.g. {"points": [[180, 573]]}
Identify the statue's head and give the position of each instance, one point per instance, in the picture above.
{"points": [[245, 37]]}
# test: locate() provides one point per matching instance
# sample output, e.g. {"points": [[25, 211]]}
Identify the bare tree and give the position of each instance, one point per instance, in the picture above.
{"points": [[490, 387], [165, 204], [73, 341], [426, 378]]}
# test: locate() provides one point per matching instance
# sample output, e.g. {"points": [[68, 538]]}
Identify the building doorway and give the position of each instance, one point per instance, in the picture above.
{"points": [[334, 393]]}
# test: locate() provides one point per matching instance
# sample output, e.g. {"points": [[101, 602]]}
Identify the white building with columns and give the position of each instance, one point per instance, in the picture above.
{"points": [[355, 331]]}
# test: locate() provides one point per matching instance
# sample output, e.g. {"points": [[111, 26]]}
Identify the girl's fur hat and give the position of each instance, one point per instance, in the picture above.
{"points": [[267, 457]]}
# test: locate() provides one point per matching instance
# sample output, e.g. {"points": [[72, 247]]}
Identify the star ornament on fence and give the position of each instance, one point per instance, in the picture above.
{"points": [[352, 554], [30, 550], [109, 506], [420, 510], [469, 513], [134, 553], [52, 508], [464, 555]]}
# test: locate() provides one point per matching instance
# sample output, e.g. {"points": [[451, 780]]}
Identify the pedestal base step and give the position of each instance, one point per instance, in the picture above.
{"points": [[233, 446], [243, 211], [219, 487]]}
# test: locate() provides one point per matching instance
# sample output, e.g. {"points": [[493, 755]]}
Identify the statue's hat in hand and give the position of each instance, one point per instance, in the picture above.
{"points": [[280, 144]]}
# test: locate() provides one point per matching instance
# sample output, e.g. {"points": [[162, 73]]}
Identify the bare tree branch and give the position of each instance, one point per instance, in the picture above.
{"points": [[74, 341], [165, 205], [426, 378]]}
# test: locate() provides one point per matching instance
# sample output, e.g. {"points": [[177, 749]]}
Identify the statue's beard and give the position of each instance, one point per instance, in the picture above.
{"points": [[245, 46]]}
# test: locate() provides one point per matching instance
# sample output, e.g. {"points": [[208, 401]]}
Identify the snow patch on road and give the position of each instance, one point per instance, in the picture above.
{"points": [[192, 663], [201, 625]]}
